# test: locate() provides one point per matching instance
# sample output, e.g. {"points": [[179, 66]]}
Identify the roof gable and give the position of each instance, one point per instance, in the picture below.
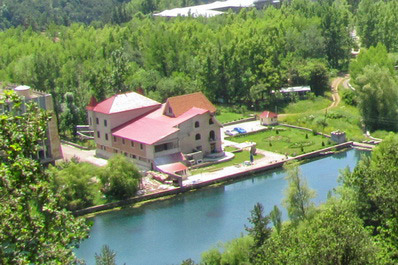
{"points": [[268, 114], [124, 102], [181, 104]]}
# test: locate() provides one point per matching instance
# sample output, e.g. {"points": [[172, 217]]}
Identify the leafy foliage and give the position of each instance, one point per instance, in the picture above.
{"points": [[297, 195], [120, 178], [75, 184], [334, 235], [234, 58], [106, 257], [373, 183], [34, 229]]}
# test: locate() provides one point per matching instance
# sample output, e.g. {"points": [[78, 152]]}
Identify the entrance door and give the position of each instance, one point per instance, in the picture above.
{"points": [[213, 148]]}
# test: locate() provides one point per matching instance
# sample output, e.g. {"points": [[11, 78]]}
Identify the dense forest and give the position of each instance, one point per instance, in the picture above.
{"points": [[234, 58]]}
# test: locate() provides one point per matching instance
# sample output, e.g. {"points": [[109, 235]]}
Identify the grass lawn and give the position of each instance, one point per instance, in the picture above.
{"points": [[287, 141], [238, 159], [230, 149], [380, 134], [301, 106], [343, 117], [225, 117]]}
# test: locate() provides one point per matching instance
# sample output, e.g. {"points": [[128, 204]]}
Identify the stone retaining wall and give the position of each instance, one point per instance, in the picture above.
{"points": [[75, 145], [303, 128]]}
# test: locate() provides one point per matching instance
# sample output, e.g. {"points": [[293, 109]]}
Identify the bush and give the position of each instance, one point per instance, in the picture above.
{"points": [[349, 97], [75, 184], [120, 178]]}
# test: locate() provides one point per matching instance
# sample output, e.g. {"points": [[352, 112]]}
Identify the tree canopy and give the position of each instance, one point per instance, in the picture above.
{"points": [[34, 228]]}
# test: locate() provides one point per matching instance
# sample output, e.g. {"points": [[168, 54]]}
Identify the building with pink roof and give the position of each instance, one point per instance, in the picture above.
{"points": [[166, 137]]}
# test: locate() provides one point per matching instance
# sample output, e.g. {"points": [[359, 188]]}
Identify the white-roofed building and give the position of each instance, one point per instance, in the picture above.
{"points": [[215, 8]]}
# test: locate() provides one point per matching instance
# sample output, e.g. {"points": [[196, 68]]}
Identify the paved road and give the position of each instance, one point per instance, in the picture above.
{"points": [[84, 155]]}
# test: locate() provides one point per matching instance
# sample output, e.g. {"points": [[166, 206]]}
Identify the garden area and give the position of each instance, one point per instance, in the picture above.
{"points": [[227, 114], [285, 140], [239, 158]]}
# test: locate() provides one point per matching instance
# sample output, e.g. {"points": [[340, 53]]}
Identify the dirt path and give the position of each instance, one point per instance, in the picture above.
{"points": [[335, 92], [335, 95], [83, 155]]}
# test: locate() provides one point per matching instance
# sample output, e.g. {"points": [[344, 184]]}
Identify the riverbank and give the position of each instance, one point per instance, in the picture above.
{"points": [[210, 178]]}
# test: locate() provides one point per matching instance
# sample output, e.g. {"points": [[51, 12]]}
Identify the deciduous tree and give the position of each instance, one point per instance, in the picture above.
{"points": [[34, 229]]}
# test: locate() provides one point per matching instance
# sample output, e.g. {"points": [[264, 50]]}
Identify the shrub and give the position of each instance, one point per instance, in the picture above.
{"points": [[120, 178]]}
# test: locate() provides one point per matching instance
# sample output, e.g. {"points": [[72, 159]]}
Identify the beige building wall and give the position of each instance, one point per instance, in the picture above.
{"points": [[53, 135], [102, 124], [190, 132]]}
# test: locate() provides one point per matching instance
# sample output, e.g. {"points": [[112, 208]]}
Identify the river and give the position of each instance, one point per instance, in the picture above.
{"points": [[169, 231]]}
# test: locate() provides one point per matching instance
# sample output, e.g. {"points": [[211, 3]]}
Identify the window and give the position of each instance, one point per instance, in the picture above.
{"points": [[125, 154], [114, 138], [132, 143], [106, 136], [122, 141], [196, 124], [97, 120], [115, 151], [141, 146], [197, 136], [211, 121], [212, 136], [105, 123], [98, 135], [133, 156], [170, 110]]}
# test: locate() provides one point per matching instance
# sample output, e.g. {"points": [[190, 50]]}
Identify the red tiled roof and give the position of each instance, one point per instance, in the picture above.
{"points": [[181, 104], [153, 127], [144, 130], [124, 102], [172, 168], [268, 114]]}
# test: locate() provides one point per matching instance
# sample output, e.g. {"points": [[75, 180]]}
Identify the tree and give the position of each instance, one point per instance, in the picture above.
{"points": [[298, 195], [34, 229], [276, 218], [373, 185], [120, 178], [236, 252], [75, 184], [378, 98], [334, 235], [106, 257], [69, 115], [260, 230]]}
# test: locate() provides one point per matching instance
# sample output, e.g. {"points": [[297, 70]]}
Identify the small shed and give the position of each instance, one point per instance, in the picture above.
{"points": [[268, 118], [338, 137]]}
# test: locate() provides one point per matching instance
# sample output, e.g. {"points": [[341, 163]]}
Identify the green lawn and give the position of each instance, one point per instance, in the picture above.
{"points": [[225, 117], [301, 106], [238, 159], [343, 117], [286, 141]]}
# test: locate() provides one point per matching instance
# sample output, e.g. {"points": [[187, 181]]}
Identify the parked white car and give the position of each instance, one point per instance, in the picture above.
{"points": [[231, 132]]}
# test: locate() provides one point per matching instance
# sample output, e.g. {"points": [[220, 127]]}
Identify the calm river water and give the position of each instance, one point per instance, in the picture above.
{"points": [[167, 232]]}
